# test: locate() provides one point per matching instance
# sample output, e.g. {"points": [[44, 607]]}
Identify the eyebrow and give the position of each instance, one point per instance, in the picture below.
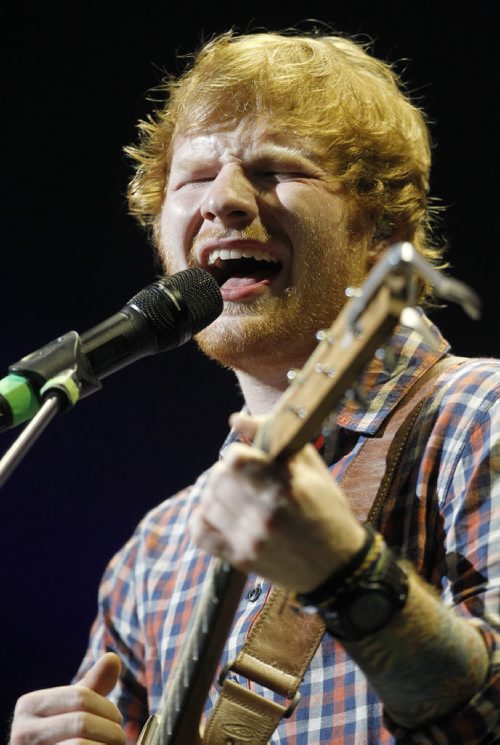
{"points": [[284, 153], [268, 152]]}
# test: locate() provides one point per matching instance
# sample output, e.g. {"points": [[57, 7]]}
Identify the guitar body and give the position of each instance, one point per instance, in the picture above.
{"points": [[151, 733]]}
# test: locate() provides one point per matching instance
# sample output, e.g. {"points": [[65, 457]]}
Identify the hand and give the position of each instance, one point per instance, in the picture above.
{"points": [[288, 522], [72, 714]]}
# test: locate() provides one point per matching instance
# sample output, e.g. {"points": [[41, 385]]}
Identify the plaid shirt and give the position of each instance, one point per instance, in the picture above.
{"points": [[443, 519]]}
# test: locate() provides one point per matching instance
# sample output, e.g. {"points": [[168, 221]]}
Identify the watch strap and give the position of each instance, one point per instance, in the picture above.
{"points": [[340, 580], [350, 615]]}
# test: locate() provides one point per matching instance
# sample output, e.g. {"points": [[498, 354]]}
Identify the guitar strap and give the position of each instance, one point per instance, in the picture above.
{"points": [[282, 642]]}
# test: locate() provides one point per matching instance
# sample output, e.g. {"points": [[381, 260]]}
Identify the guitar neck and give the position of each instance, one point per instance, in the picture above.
{"points": [[188, 690], [333, 366]]}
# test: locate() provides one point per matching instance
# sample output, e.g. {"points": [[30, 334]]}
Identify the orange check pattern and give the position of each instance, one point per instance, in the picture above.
{"points": [[445, 518]]}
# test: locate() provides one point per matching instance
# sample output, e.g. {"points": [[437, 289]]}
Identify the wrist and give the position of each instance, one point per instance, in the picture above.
{"points": [[346, 572], [362, 596]]}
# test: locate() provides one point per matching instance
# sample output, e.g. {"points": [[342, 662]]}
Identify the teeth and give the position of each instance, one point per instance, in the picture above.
{"points": [[237, 253]]}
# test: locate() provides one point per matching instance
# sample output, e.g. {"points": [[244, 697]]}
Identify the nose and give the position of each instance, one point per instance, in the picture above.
{"points": [[230, 198]]}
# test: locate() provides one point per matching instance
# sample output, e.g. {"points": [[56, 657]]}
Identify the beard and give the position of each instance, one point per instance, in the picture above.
{"points": [[279, 331], [273, 330]]}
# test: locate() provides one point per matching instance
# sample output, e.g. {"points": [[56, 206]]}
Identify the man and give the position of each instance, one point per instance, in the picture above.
{"points": [[286, 165]]}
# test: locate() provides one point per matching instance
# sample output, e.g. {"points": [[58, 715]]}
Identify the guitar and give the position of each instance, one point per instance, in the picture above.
{"points": [[336, 363]]}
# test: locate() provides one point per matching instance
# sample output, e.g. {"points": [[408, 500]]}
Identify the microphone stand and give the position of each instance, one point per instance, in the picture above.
{"points": [[29, 435], [68, 376]]}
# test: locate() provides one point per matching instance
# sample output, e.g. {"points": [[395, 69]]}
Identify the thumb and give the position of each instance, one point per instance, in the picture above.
{"points": [[103, 675]]}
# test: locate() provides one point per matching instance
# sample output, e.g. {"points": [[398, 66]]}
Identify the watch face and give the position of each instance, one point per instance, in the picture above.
{"points": [[370, 611], [366, 605]]}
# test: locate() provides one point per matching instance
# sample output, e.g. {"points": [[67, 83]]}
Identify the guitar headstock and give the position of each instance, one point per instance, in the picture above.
{"points": [[344, 349]]}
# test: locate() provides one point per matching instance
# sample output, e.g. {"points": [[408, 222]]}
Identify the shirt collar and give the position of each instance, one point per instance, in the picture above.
{"points": [[381, 390]]}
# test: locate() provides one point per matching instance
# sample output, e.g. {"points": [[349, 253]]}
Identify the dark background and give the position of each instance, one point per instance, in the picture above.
{"points": [[75, 76]]}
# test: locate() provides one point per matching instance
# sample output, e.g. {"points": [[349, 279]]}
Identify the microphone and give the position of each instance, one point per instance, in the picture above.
{"points": [[162, 316]]}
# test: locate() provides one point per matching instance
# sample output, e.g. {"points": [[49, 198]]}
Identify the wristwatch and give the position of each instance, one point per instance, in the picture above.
{"points": [[364, 603]]}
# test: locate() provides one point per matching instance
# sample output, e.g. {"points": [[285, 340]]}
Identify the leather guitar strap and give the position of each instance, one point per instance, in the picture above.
{"points": [[282, 642]]}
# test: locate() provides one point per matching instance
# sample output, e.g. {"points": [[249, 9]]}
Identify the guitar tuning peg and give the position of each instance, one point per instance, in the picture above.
{"points": [[294, 375], [322, 335], [353, 292], [299, 411], [320, 367]]}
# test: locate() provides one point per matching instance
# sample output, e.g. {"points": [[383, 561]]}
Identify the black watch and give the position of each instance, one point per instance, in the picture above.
{"points": [[364, 606]]}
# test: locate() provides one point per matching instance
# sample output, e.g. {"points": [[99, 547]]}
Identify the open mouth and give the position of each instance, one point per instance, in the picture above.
{"points": [[238, 275]]}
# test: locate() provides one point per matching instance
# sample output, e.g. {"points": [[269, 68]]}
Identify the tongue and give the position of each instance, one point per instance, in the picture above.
{"points": [[234, 282], [244, 279]]}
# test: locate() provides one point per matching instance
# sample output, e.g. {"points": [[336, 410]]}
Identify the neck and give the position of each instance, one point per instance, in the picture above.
{"points": [[261, 390]]}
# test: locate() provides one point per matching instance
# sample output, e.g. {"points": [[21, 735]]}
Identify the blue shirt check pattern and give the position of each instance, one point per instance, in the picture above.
{"points": [[444, 516]]}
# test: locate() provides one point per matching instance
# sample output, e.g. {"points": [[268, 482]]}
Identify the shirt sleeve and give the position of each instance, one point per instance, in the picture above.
{"points": [[117, 629], [469, 568]]}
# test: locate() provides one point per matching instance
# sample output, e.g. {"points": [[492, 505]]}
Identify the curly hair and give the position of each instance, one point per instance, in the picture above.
{"points": [[326, 87]]}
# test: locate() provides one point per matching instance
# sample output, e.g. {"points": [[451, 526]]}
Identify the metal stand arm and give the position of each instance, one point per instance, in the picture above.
{"points": [[28, 436]]}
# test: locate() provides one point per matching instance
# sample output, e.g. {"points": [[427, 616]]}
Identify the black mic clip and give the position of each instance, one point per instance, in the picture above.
{"points": [[59, 367]]}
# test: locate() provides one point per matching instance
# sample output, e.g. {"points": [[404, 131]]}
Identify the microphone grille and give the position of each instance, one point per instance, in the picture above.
{"points": [[178, 306]]}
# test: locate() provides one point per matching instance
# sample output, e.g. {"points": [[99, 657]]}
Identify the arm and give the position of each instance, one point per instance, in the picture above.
{"points": [[258, 516], [426, 662], [117, 628]]}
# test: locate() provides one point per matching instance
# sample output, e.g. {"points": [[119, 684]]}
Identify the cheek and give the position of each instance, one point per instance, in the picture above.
{"points": [[308, 208], [176, 233], [173, 218]]}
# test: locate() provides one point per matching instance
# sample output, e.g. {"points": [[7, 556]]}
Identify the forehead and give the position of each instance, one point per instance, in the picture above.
{"points": [[246, 140]]}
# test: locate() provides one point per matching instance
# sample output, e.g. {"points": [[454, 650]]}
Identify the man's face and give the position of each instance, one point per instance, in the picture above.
{"points": [[258, 208]]}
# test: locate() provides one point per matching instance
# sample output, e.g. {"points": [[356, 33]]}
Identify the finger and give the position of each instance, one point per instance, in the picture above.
{"points": [[252, 482], [238, 454], [254, 465], [240, 555], [237, 503], [235, 533], [76, 725], [208, 533], [66, 699], [209, 540], [245, 425], [250, 526], [231, 498], [103, 675]]}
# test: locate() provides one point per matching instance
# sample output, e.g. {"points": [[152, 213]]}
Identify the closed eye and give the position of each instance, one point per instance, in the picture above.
{"points": [[193, 181], [283, 175]]}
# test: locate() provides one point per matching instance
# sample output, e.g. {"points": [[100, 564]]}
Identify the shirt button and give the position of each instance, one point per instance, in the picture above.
{"points": [[254, 593]]}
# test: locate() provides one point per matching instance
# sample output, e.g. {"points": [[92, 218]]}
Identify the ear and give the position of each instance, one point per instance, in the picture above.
{"points": [[383, 237], [376, 248]]}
